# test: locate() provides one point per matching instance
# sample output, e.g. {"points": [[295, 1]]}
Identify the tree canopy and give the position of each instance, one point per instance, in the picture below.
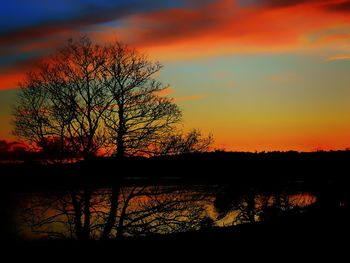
{"points": [[87, 97]]}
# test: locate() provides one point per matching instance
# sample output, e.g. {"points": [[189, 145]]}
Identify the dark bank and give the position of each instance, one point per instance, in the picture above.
{"points": [[210, 199]]}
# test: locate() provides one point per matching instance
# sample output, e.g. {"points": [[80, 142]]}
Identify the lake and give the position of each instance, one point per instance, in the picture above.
{"points": [[126, 211]]}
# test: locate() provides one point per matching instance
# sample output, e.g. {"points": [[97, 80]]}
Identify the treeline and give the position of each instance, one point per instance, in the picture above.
{"points": [[274, 170]]}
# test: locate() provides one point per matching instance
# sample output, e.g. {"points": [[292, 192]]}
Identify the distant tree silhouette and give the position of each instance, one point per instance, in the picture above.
{"points": [[182, 143], [252, 206], [13, 150]]}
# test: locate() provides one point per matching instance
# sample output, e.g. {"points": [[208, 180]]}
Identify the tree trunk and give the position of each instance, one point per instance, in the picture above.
{"points": [[86, 227], [120, 145], [120, 228], [112, 213], [121, 132], [77, 216], [251, 208]]}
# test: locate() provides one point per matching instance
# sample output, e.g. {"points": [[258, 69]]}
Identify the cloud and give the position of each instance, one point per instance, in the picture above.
{"points": [[13, 73], [40, 26], [170, 25], [11, 80], [176, 29], [336, 5], [282, 3], [190, 97], [340, 6], [166, 92], [226, 26], [339, 57], [327, 5], [40, 19]]}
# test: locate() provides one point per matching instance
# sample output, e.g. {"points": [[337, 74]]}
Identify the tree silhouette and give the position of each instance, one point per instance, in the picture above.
{"points": [[65, 98], [182, 143], [139, 116], [88, 97]]}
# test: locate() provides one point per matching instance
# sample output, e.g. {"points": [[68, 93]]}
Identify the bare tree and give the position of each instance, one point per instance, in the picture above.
{"points": [[88, 96], [66, 97], [33, 118], [140, 117]]}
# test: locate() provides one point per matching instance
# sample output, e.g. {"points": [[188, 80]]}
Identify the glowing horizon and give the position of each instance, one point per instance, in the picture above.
{"points": [[260, 75]]}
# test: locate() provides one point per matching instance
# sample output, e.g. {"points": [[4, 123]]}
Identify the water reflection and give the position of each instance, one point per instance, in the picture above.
{"points": [[252, 207], [133, 211]]}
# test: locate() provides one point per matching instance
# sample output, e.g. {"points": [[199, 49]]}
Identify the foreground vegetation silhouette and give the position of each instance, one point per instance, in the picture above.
{"points": [[172, 194]]}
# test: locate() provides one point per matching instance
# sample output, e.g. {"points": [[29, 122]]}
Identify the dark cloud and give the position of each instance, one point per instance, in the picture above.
{"points": [[184, 23], [29, 33], [328, 5], [24, 23], [275, 3], [340, 7], [33, 19], [280, 3], [51, 28]]}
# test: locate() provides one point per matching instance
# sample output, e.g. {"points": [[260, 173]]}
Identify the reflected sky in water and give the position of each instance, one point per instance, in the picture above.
{"points": [[140, 211]]}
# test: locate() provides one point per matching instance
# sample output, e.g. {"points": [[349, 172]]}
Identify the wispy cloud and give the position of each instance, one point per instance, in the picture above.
{"points": [[191, 97], [10, 80], [339, 57], [171, 30], [166, 92]]}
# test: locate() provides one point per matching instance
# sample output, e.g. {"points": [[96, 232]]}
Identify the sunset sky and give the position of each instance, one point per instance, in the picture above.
{"points": [[257, 74]]}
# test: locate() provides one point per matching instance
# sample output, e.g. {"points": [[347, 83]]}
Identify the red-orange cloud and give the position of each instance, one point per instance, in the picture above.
{"points": [[220, 27], [224, 21], [11, 79]]}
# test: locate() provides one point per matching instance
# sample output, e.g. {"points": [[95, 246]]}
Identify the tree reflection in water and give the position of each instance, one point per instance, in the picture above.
{"points": [[137, 211], [111, 213]]}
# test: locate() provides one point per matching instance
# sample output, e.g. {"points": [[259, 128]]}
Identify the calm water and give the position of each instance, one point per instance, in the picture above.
{"points": [[134, 211]]}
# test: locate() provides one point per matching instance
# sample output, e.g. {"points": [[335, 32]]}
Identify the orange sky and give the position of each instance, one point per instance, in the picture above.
{"points": [[258, 74]]}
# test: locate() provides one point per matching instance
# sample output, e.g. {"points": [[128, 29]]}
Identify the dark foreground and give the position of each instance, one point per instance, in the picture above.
{"points": [[322, 230], [273, 168], [304, 238]]}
